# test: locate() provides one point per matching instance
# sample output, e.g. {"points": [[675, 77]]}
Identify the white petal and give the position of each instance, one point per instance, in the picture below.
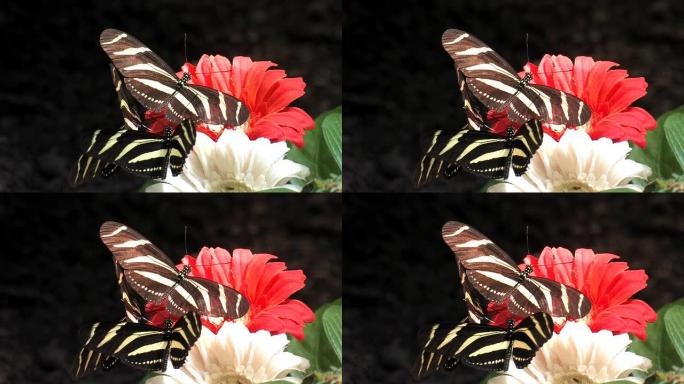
{"points": [[234, 163], [577, 163]]}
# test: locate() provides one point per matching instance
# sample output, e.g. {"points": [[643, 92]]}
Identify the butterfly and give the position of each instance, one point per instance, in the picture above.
{"points": [[132, 147], [483, 346], [89, 360], [155, 278], [496, 277], [495, 83], [139, 345], [155, 85]]}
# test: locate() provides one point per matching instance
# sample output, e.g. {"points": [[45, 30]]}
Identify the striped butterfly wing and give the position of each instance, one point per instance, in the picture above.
{"points": [[482, 153], [144, 346], [87, 360], [154, 277], [438, 347], [473, 108], [496, 84], [132, 111], [483, 346], [155, 85], [476, 311], [89, 167], [496, 277], [143, 153]]}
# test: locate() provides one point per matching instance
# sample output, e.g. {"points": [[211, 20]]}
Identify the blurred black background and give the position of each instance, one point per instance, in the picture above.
{"points": [[399, 275], [400, 85], [58, 277], [56, 86]]}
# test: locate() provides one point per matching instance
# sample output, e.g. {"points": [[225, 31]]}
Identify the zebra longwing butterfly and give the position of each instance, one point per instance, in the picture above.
{"points": [[131, 147], [139, 345], [155, 85], [155, 278], [483, 346], [497, 278], [482, 153], [88, 360], [496, 84]]}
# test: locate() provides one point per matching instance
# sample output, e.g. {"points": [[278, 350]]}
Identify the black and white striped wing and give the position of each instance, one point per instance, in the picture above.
{"points": [[497, 85], [472, 106], [496, 277], [154, 277], [144, 153], [438, 347], [132, 111], [482, 153], [482, 346], [476, 311], [155, 85], [144, 346]]}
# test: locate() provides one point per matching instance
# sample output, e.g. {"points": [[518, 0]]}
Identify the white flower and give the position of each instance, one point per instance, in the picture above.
{"points": [[233, 356], [577, 163], [578, 356], [234, 163]]}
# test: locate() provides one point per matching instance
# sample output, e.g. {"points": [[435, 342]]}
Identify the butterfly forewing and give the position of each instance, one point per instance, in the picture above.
{"points": [[496, 277], [155, 85], [496, 84], [438, 347]]}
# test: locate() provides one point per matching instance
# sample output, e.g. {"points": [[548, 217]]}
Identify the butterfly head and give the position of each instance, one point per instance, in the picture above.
{"points": [[184, 272], [184, 79], [510, 323], [451, 363], [527, 271], [527, 78]]}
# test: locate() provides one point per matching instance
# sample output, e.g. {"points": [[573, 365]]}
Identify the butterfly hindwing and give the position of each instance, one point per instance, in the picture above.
{"points": [[155, 85]]}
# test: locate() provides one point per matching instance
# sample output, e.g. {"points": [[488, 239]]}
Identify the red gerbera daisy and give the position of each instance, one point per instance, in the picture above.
{"points": [[608, 92], [608, 284], [266, 92], [266, 284]]}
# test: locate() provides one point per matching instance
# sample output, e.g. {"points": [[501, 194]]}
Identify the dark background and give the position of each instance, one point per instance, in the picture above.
{"points": [[400, 85], [399, 276], [58, 277], [57, 89]]}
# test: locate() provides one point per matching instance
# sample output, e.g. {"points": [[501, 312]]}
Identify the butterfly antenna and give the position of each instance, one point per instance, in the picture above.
{"points": [[185, 44], [186, 239], [527, 238], [527, 46]]}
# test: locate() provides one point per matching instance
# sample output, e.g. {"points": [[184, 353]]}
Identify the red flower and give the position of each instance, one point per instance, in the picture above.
{"points": [[266, 284], [266, 92], [608, 285], [608, 92]]}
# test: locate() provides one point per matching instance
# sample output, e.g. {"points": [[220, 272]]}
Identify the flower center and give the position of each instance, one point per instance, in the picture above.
{"points": [[229, 378], [572, 186], [230, 185], [572, 378]]}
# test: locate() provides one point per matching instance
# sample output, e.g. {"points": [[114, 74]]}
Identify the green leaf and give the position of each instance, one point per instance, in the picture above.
{"points": [[674, 324], [332, 133], [657, 345], [332, 325], [315, 154], [674, 132], [316, 347], [658, 155]]}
